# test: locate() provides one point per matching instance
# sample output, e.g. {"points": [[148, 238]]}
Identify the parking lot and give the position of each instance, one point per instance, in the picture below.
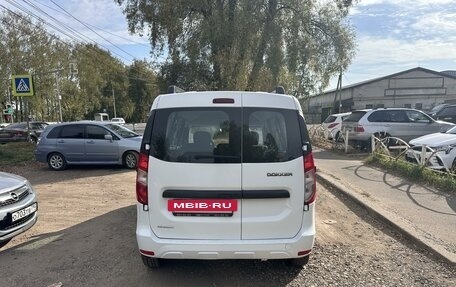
{"points": [[85, 237]]}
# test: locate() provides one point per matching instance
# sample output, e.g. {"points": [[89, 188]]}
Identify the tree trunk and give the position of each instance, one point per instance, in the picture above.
{"points": [[265, 37]]}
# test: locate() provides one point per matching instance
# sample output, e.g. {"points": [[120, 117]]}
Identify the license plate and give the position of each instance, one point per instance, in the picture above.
{"points": [[15, 216], [202, 205]]}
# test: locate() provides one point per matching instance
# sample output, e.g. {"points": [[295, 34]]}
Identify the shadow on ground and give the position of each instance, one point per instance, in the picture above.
{"points": [[103, 252]]}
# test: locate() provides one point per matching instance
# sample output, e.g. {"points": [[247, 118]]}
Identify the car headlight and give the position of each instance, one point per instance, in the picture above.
{"points": [[447, 148]]}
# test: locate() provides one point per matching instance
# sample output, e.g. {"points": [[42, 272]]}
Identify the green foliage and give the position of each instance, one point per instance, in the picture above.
{"points": [[16, 153], [415, 172], [142, 89], [27, 48], [246, 44]]}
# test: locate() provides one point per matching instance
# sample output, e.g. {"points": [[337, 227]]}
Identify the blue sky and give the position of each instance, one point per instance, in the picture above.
{"points": [[391, 35], [102, 16], [396, 35]]}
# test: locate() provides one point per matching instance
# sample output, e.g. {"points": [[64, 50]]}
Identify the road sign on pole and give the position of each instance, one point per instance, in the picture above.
{"points": [[22, 85]]}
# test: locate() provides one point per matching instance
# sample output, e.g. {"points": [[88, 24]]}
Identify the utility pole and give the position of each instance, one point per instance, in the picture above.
{"points": [[338, 93], [114, 99], [59, 97], [340, 90]]}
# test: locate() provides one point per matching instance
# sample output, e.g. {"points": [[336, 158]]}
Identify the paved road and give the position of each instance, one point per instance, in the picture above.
{"points": [[424, 212]]}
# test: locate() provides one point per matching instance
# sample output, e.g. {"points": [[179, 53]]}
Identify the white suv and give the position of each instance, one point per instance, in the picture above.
{"points": [[402, 123], [225, 175]]}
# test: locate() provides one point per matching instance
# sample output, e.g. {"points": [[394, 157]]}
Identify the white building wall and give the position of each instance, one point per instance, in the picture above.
{"points": [[416, 89]]}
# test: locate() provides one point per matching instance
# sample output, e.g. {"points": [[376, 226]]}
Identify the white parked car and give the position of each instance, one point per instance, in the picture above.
{"points": [[402, 123], [225, 175], [333, 125], [119, 121], [444, 146]]}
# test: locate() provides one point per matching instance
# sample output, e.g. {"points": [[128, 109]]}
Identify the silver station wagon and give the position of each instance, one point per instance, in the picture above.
{"points": [[18, 206], [87, 142]]}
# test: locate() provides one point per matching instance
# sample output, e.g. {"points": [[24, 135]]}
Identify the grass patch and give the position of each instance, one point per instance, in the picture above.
{"points": [[414, 172], [16, 153]]}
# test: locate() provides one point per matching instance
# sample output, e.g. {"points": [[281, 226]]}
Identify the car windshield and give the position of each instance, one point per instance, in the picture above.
{"points": [[437, 108], [452, 131], [122, 131]]}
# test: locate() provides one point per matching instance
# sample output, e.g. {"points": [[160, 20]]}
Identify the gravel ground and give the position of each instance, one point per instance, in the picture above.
{"points": [[85, 237]]}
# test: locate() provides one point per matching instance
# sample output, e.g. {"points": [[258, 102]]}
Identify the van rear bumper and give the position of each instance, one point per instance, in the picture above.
{"points": [[224, 249]]}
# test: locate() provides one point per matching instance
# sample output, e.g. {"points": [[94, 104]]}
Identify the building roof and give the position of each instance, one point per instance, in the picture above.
{"points": [[449, 74]]}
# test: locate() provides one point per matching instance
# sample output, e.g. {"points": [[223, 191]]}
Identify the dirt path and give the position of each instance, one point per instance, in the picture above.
{"points": [[85, 237]]}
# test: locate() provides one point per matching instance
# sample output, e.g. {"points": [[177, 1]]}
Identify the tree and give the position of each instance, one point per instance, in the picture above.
{"points": [[246, 44], [142, 90]]}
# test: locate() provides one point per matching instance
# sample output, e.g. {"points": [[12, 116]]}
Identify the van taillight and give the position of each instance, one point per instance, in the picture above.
{"points": [[332, 125], [310, 192], [141, 178], [359, 129]]}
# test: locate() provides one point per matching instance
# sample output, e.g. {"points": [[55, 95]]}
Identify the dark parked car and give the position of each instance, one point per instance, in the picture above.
{"points": [[446, 113], [88, 142], [17, 132]]}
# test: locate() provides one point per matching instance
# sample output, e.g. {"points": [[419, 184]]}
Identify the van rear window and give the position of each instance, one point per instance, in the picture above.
{"points": [[213, 135], [197, 135]]}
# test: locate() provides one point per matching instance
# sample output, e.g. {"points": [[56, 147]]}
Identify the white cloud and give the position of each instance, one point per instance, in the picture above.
{"points": [[372, 50], [405, 3], [437, 22]]}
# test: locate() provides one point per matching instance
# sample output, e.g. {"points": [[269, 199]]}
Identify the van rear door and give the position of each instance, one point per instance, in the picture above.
{"points": [[194, 174], [272, 168]]}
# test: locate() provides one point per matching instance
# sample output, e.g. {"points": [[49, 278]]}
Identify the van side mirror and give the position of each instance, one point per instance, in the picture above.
{"points": [[108, 137]]}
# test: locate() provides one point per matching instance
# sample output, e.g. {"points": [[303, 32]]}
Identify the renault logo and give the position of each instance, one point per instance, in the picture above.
{"points": [[14, 196]]}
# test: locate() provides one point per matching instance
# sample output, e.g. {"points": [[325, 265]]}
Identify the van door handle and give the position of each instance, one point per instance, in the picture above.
{"points": [[60, 141], [90, 142]]}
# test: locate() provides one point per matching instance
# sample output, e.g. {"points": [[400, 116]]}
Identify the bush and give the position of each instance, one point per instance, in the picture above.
{"points": [[415, 172]]}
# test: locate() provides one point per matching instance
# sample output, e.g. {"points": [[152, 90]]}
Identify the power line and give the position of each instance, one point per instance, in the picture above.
{"points": [[87, 26], [26, 19], [103, 30], [106, 31], [20, 7], [71, 30], [41, 20]]}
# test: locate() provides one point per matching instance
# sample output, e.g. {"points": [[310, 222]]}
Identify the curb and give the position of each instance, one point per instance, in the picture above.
{"points": [[391, 219]]}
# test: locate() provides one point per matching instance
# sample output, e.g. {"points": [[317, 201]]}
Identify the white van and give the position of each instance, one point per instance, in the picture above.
{"points": [[101, 117], [225, 175]]}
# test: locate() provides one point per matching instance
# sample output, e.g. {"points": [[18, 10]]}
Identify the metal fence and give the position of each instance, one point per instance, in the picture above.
{"points": [[392, 147]]}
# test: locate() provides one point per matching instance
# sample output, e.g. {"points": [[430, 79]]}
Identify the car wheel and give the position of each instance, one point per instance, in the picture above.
{"points": [[130, 159], [56, 161], [338, 137], [33, 140], [298, 262], [453, 166], [150, 262]]}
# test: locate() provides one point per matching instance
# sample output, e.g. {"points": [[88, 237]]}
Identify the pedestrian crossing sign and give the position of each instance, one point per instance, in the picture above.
{"points": [[22, 85]]}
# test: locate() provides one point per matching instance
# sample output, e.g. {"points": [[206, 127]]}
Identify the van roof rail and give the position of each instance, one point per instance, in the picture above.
{"points": [[174, 89], [279, 90]]}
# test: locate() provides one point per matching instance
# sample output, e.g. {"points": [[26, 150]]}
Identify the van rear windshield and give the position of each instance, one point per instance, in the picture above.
{"points": [[213, 135]]}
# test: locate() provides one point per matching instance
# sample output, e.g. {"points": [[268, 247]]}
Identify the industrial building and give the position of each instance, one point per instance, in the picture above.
{"points": [[417, 88]]}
